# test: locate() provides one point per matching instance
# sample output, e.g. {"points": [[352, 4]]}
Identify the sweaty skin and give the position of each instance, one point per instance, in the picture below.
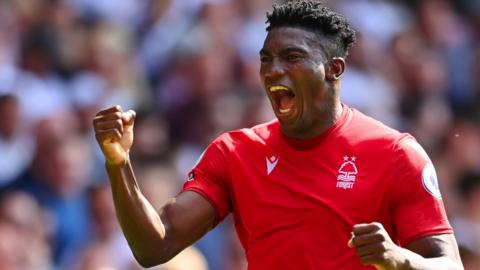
{"points": [[291, 57]]}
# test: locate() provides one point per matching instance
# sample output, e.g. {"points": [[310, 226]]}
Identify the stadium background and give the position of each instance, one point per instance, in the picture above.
{"points": [[190, 69]]}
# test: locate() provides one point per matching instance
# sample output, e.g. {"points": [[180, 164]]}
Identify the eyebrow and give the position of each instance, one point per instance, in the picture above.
{"points": [[284, 51], [293, 49]]}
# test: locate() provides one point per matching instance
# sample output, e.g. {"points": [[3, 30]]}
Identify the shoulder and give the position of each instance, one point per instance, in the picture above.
{"points": [[256, 134], [369, 132], [411, 156]]}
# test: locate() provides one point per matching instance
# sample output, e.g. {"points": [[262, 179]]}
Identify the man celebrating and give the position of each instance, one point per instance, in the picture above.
{"points": [[321, 187]]}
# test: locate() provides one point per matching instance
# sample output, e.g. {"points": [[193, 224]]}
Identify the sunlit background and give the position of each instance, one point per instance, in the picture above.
{"points": [[190, 70]]}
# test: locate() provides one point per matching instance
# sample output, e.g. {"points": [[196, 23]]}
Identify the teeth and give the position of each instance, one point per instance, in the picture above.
{"points": [[278, 88], [284, 110]]}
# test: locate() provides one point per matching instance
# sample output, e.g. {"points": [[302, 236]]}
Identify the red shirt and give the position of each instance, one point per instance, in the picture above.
{"points": [[295, 201]]}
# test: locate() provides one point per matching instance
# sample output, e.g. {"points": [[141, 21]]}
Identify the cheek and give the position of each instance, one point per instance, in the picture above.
{"points": [[262, 72], [318, 94], [320, 99]]}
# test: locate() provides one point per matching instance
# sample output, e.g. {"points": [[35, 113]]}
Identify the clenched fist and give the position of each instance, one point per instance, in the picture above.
{"points": [[114, 133], [375, 247]]}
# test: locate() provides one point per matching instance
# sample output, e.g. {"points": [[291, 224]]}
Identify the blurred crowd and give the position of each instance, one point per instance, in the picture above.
{"points": [[190, 70]]}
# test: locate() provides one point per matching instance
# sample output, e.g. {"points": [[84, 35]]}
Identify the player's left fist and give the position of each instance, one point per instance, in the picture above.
{"points": [[375, 247]]}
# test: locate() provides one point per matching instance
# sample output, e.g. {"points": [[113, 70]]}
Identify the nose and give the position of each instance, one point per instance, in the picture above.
{"points": [[273, 70]]}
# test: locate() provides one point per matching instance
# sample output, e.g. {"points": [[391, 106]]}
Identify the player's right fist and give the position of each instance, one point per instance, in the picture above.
{"points": [[114, 133]]}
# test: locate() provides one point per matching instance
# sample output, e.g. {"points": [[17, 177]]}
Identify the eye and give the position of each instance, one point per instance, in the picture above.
{"points": [[293, 57], [265, 58]]}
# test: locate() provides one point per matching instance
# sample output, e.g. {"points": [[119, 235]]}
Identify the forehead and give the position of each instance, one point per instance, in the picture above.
{"points": [[290, 37]]}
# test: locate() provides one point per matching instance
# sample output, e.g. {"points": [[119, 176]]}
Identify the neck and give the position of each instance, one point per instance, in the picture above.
{"points": [[327, 119]]}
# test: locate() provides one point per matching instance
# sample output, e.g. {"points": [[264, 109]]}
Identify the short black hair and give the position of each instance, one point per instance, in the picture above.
{"points": [[314, 16]]}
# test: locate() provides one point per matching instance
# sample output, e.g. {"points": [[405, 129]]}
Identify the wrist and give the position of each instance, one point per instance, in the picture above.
{"points": [[118, 162], [407, 259]]}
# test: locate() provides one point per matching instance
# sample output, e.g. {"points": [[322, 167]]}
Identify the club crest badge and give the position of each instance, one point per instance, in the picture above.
{"points": [[347, 173]]}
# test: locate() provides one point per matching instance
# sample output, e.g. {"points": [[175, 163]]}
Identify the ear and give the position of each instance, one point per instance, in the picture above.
{"points": [[335, 68]]}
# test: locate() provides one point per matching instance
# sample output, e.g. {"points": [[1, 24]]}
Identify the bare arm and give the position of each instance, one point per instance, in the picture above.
{"points": [[374, 247], [434, 252], [153, 237]]}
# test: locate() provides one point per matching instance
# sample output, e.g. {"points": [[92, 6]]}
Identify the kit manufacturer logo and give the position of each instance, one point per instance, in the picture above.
{"points": [[271, 163]]}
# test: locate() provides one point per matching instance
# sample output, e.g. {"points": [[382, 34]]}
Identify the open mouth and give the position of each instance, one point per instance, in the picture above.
{"points": [[283, 98]]}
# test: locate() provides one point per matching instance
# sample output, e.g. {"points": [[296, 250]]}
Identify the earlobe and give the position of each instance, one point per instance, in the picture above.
{"points": [[335, 68]]}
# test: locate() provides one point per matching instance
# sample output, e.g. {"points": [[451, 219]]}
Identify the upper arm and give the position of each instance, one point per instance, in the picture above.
{"points": [[186, 218], [435, 246], [203, 202], [416, 206]]}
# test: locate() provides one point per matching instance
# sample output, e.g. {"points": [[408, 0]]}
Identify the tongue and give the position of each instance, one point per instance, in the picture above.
{"points": [[286, 102]]}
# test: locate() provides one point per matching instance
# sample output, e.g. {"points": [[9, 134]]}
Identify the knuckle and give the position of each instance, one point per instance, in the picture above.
{"points": [[96, 119], [365, 260], [382, 246], [101, 138], [354, 241], [376, 258], [381, 237]]}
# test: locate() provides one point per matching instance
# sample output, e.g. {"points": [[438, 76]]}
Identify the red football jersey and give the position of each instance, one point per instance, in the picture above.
{"points": [[295, 201]]}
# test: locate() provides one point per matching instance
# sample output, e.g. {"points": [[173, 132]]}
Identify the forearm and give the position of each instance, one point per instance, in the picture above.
{"points": [[138, 219], [413, 261]]}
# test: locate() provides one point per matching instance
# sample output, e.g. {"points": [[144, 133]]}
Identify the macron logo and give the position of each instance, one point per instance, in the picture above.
{"points": [[271, 163]]}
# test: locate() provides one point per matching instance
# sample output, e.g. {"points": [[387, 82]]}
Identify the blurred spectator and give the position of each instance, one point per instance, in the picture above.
{"points": [[459, 154], [361, 82], [122, 12], [467, 224], [159, 183], [189, 259], [57, 179], [190, 68], [379, 20], [25, 233], [16, 146], [105, 248], [152, 137], [166, 22], [436, 19]]}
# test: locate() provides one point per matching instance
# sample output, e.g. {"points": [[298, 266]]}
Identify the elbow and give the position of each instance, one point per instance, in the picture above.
{"points": [[151, 260], [148, 262]]}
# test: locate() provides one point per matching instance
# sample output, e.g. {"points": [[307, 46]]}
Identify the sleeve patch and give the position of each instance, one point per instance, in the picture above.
{"points": [[430, 181]]}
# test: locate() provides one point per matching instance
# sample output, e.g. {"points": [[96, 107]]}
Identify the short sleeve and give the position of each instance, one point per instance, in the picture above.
{"points": [[415, 199], [209, 177]]}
